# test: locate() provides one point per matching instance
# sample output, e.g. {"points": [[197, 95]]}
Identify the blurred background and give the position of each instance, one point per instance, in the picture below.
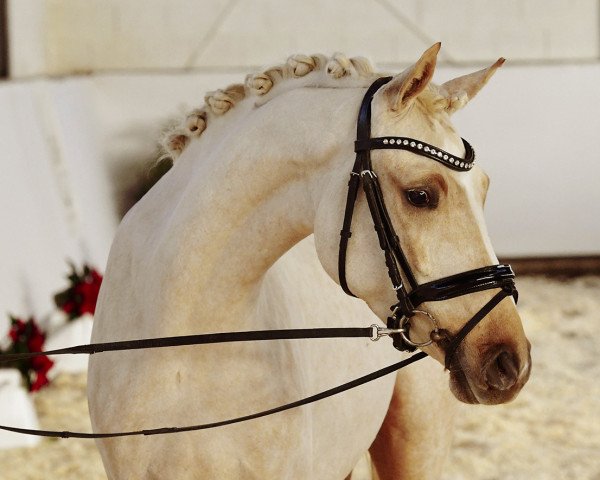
{"points": [[87, 86]]}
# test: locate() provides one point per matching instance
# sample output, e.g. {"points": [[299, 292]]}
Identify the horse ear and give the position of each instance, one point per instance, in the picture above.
{"points": [[404, 88], [459, 91]]}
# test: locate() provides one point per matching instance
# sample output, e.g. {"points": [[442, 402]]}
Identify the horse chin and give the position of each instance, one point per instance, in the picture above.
{"points": [[460, 387], [473, 392]]}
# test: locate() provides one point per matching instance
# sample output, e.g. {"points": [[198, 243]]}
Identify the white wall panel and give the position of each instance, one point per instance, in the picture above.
{"points": [[115, 34], [78, 36], [268, 31], [532, 30], [27, 37], [85, 173], [37, 232], [535, 130]]}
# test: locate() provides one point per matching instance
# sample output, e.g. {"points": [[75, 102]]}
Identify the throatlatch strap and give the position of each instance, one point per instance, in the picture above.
{"points": [[205, 426]]}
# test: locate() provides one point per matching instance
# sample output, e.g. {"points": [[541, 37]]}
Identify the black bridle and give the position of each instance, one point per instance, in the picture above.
{"points": [[491, 277], [486, 278]]}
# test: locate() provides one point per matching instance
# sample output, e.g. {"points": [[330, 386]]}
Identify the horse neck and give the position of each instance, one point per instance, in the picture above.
{"points": [[254, 192]]}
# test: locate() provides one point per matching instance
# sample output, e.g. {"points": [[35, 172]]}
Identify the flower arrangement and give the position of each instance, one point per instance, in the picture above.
{"points": [[27, 337], [82, 294]]}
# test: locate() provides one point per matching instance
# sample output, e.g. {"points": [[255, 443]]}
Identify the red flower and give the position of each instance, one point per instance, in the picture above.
{"points": [[41, 380], [41, 364], [81, 297], [88, 291], [17, 329], [35, 343], [27, 337], [36, 338], [69, 306]]}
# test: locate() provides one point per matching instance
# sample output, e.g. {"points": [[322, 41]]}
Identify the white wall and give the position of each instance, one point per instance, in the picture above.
{"points": [[535, 129], [37, 233], [57, 204], [73, 36]]}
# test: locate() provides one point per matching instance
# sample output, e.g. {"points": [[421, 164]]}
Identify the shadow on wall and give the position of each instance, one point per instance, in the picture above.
{"points": [[132, 179], [132, 169]]}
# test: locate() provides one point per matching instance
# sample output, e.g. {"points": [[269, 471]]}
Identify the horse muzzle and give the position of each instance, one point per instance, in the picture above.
{"points": [[502, 374]]}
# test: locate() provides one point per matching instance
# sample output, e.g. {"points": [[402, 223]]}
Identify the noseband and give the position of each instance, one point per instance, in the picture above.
{"points": [[486, 278]]}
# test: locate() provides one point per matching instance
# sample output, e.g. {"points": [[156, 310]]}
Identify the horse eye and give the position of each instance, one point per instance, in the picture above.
{"points": [[419, 198]]}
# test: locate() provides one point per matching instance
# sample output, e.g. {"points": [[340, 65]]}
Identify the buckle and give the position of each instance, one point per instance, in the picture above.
{"points": [[377, 332], [404, 328], [369, 173]]}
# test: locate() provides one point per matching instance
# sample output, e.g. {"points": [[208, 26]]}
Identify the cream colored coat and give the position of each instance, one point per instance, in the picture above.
{"points": [[223, 243]]}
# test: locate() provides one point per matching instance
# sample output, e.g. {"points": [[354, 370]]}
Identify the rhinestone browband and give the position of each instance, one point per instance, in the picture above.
{"points": [[420, 148]]}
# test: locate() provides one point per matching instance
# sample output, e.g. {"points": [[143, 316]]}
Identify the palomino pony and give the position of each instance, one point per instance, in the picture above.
{"points": [[223, 243]]}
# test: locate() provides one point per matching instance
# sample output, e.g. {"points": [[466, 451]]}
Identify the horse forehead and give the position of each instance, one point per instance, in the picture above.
{"points": [[433, 127], [412, 169]]}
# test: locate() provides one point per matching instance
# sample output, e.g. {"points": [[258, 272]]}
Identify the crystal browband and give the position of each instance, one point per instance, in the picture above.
{"points": [[420, 148]]}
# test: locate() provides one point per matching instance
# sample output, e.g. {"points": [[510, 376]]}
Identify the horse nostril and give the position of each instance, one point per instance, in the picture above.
{"points": [[502, 372]]}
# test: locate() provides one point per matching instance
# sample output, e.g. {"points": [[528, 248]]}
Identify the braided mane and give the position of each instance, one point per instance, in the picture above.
{"points": [[357, 71], [335, 71]]}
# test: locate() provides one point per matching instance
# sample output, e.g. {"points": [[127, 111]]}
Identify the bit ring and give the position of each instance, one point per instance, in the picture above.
{"points": [[404, 332]]}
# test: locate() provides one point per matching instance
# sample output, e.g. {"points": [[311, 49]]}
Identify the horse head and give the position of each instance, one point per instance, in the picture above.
{"points": [[437, 213]]}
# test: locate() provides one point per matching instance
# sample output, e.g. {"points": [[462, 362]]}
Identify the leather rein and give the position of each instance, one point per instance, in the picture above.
{"points": [[398, 325]]}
